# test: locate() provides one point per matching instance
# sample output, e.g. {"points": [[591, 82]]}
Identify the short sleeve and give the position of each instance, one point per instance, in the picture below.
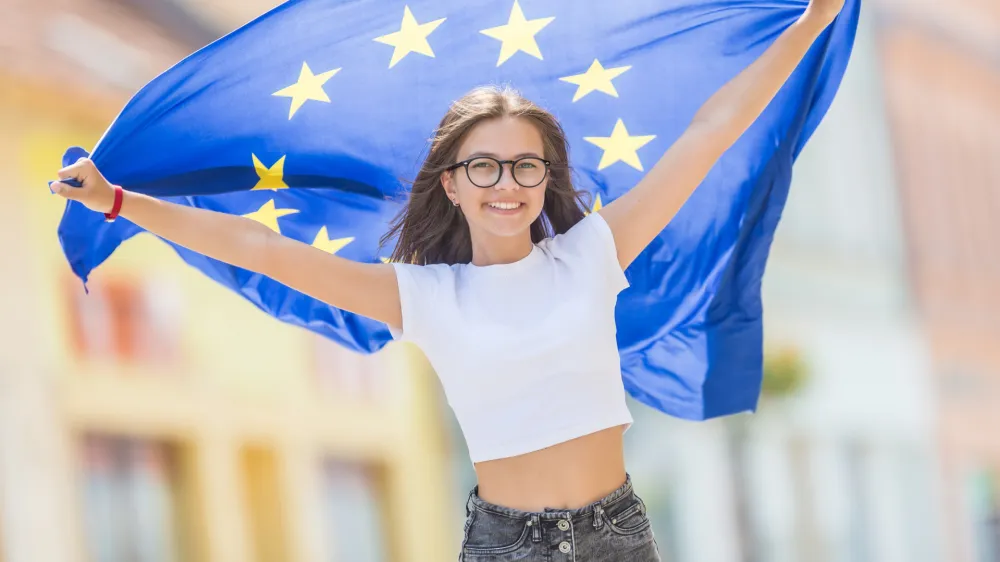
{"points": [[605, 244], [592, 242], [419, 286]]}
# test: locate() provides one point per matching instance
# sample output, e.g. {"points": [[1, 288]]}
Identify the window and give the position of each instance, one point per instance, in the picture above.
{"points": [[856, 455], [982, 495], [349, 375], [129, 500], [353, 518], [263, 496], [125, 318]]}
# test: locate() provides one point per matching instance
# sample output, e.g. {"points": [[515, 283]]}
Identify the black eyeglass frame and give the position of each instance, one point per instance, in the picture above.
{"points": [[500, 164]]}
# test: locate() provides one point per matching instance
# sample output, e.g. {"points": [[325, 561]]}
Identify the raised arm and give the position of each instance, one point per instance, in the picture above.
{"points": [[639, 215], [366, 289]]}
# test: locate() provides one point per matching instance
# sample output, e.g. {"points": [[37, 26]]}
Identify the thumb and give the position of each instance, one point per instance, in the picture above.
{"points": [[64, 190]]}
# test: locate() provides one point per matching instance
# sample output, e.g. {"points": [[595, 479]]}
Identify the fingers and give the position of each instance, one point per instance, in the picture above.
{"points": [[83, 182], [83, 169], [75, 178]]}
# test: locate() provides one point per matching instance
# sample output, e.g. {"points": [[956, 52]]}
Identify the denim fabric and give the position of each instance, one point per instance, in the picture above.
{"points": [[614, 528]]}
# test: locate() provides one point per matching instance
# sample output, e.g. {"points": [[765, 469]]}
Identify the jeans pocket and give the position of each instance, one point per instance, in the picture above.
{"points": [[627, 517], [492, 534]]}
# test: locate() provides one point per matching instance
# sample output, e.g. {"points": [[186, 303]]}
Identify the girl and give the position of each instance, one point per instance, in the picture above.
{"points": [[509, 289]]}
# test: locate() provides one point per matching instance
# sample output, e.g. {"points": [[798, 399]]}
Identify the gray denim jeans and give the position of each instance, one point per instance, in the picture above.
{"points": [[614, 528]]}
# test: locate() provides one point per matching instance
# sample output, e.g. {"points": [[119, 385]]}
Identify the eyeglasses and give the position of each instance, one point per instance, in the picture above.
{"points": [[485, 171]]}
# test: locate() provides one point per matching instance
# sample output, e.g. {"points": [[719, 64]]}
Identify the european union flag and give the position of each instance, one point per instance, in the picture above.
{"points": [[309, 119]]}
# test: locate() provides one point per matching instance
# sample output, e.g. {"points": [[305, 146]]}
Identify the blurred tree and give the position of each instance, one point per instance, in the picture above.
{"points": [[784, 373]]}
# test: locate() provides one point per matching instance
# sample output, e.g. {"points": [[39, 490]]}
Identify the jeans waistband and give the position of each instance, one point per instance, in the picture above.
{"points": [[548, 513]]}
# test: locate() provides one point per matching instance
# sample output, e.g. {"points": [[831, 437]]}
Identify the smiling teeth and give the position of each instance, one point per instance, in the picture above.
{"points": [[505, 206]]}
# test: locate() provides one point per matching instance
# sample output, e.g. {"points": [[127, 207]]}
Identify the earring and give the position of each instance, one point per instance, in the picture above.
{"points": [[454, 202]]}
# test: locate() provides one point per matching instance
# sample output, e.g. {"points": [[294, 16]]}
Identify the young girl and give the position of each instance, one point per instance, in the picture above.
{"points": [[509, 288]]}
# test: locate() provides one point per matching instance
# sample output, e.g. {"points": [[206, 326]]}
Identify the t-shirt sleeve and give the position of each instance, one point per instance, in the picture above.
{"points": [[591, 241], [419, 286]]}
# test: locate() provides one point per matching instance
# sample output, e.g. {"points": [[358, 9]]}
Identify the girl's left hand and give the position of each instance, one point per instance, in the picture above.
{"points": [[827, 10]]}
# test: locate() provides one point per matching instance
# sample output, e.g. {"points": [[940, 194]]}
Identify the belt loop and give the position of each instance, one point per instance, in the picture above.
{"points": [[536, 529], [598, 516], [468, 503]]}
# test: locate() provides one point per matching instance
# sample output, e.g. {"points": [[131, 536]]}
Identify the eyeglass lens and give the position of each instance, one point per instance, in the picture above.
{"points": [[485, 171]]}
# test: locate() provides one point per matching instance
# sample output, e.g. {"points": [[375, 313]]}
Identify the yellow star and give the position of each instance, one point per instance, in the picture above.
{"points": [[518, 34], [270, 178], [324, 243], [620, 147], [411, 37], [267, 215], [386, 260], [309, 87], [596, 78], [597, 205]]}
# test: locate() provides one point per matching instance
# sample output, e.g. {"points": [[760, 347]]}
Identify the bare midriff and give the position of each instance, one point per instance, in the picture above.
{"points": [[568, 475]]}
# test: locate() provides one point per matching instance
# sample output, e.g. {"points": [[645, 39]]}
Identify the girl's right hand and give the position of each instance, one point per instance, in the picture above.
{"points": [[96, 193]]}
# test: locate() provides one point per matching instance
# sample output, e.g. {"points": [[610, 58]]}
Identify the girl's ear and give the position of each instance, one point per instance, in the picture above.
{"points": [[448, 183]]}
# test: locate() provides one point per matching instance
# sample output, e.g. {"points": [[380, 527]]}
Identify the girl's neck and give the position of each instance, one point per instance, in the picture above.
{"points": [[497, 250]]}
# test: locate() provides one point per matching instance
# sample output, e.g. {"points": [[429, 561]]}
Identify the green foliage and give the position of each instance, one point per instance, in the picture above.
{"points": [[785, 372]]}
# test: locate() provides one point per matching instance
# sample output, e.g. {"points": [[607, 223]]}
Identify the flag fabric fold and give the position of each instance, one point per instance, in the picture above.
{"points": [[311, 118]]}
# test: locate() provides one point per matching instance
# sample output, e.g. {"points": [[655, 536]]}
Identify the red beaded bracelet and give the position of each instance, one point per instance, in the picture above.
{"points": [[117, 207]]}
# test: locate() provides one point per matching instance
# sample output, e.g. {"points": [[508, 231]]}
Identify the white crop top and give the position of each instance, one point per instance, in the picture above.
{"points": [[525, 351]]}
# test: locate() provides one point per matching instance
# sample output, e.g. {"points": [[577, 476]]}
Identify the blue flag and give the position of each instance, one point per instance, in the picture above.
{"points": [[310, 118]]}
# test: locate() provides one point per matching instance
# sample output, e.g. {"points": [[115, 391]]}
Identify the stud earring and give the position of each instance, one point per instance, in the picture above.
{"points": [[454, 202]]}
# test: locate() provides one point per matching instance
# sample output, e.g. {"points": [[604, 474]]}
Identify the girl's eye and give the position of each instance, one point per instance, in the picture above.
{"points": [[527, 165]]}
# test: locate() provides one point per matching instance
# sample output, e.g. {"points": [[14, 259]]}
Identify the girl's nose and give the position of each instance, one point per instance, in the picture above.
{"points": [[507, 179]]}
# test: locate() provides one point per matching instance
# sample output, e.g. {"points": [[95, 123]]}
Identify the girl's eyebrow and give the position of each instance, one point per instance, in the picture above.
{"points": [[494, 155]]}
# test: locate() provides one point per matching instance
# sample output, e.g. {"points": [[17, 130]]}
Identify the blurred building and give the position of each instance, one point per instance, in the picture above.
{"points": [[842, 466], [159, 417], [849, 472], [941, 69]]}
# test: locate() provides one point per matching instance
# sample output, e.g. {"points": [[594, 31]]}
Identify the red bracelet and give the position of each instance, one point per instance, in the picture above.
{"points": [[117, 207]]}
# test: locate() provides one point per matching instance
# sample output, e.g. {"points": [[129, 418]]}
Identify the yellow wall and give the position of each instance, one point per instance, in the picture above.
{"points": [[243, 379]]}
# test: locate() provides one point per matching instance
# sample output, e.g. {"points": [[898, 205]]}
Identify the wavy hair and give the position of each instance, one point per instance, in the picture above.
{"points": [[431, 229]]}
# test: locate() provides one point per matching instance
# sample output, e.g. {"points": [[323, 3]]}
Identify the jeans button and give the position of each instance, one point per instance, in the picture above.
{"points": [[564, 547], [563, 525]]}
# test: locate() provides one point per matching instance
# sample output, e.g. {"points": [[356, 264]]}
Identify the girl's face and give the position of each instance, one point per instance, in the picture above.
{"points": [[507, 208]]}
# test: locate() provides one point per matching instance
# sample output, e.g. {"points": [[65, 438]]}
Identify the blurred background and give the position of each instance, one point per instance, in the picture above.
{"points": [[161, 418]]}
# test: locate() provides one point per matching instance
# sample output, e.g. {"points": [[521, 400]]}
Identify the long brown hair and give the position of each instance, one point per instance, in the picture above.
{"points": [[431, 229]]}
